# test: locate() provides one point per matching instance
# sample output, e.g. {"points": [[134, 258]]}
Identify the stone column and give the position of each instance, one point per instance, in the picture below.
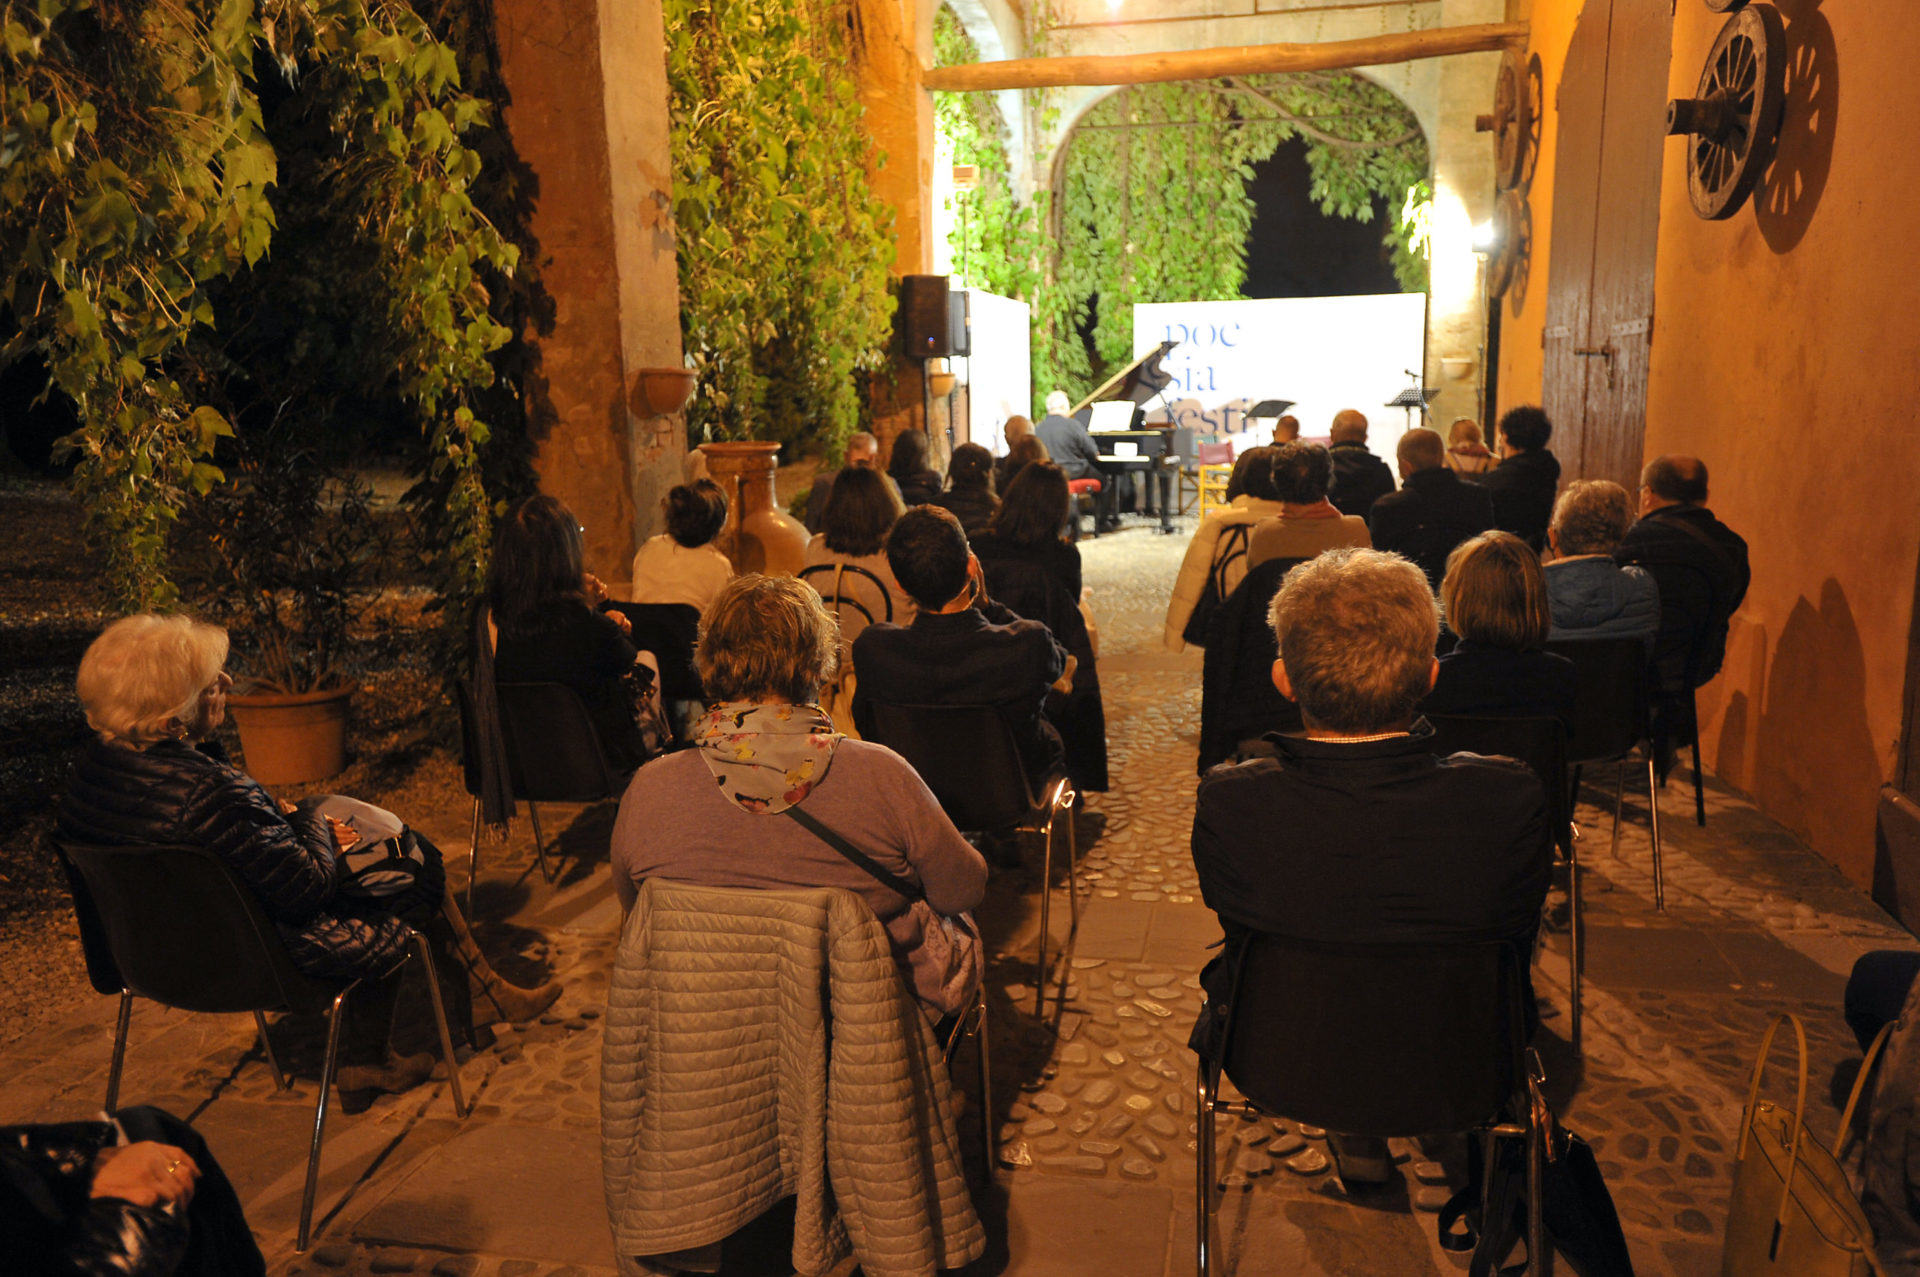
{"points": [[588, 112]]}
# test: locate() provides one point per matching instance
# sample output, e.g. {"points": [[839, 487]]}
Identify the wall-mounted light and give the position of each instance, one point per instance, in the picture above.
{"points": [[1485, 238]]}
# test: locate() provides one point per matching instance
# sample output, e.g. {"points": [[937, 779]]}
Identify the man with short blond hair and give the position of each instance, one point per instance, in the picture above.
{"points": [[1358, 832], [1359, 477], [1435, 509]]}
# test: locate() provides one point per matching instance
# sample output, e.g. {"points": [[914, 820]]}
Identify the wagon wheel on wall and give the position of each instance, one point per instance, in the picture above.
{"points": [[1534, 94], [1511, 122], [1512, 244], [1726, 6], [1731, 125]]}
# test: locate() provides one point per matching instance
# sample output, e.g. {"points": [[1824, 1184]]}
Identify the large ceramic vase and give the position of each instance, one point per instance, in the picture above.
{"points": [[290, 738], [759, 538]]}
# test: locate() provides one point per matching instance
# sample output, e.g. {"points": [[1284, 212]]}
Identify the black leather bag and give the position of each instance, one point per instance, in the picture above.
{"points": [[1233, 545]]}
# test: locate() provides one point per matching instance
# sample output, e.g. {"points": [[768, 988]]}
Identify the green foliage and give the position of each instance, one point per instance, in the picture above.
{"points": [[783, 247], [134, 178]]}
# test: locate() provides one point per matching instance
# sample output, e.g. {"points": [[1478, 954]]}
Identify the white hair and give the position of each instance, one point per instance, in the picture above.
{"points": [[144, 672], [1058, 403]]}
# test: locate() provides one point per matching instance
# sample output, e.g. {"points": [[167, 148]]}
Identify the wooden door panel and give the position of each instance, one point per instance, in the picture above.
{"points": [[1580, 103]]}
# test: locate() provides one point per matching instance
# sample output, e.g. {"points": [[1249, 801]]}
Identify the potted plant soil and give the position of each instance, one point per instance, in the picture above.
{"points": [[283, 554]]}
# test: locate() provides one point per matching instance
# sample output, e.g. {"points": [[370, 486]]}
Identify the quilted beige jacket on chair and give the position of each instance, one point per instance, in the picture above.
{"points": [[723, 1089]]}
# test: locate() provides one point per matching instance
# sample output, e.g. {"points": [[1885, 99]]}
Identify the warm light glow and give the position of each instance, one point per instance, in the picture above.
{"points": [[1455, 263], [1485, 238]]}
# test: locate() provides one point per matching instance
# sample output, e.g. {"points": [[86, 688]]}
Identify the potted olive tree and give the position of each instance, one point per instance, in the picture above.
{"points": [[283, 554]]}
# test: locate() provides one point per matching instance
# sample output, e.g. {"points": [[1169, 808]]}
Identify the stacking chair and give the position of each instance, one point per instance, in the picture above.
{"points": [[1610, 721], [1212, 468], [969, 759], [553, 753], [177, 926], [840, 598], [1540, 743], [1374, 1039]]}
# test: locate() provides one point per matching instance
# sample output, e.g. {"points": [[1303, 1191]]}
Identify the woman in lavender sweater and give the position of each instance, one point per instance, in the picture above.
{"points": [[710, 816]]}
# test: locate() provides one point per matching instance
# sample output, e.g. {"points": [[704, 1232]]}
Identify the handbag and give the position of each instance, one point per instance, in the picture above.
{"points": [[950, 977], [1214, 592], [390, 863], [1793, 1212]]}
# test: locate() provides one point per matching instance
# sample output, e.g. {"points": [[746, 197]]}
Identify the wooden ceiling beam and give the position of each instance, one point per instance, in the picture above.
{"points": [[1202, 64]]}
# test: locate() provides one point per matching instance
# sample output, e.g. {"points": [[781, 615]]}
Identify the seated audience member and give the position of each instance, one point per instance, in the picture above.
{"points": [[702, 816], [1071, 447], [1700, 565], [970, 495], [1219, 545], [1592, 596], [682, 564], [1467, 451], [1016, 429], [1433, 511], [1286, 429], [1357, 832], [1524, 483], [1026, 450], [1359, 477], [541, 603], [962, 648], [1495, 597], [138, 1196], [863, 453], [919, 482], [1307, 523], [864, 509], [154, 689], [1880, 992], [1036, 574]]}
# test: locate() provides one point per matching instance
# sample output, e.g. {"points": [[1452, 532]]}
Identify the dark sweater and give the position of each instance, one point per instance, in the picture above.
{"points": [[1359, 479], [1700, 565], [1497, 682], [587, 652], [1523, 488], [1435, 511]]}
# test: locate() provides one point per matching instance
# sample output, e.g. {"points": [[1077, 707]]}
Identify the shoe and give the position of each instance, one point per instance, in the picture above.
{"points": [[1360, 1159], [496, 1002], [359, 1083]]}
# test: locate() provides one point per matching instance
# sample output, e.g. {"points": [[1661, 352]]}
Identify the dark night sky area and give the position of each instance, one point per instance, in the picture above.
{"points": [[1294, 250]]}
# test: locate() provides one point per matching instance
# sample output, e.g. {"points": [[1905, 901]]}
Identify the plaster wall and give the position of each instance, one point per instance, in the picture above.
{"points": [[1784, 356]]}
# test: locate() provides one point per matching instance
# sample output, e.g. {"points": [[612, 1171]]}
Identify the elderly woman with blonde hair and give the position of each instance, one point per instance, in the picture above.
{"points": [[706, 816], [154, 689], [1495, 599], [1592, 596]]}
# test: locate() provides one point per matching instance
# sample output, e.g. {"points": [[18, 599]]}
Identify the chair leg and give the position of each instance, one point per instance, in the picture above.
{"points": [[1699, 794], [473, 856], [1653, 828], [1539, 1262], [1204, 1087], [1574, 937], [1046, 899], [123, 1022], [539, 842], [328, 1065], [1619, 792], [1073, 870], [440, 1022], [266, 1045], [986, 1088]]}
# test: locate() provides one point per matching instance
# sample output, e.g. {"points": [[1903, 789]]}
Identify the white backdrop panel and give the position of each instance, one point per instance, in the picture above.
{"points": [[1325, 353], [999, 375]]}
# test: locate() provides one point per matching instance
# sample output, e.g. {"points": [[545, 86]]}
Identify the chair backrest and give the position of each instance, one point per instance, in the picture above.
{"points": [[1213, 454], [553, 752], [669, 631], [183, 930], [968, 757], [1610, 702], [1238, 700], [829, 581], [1377, 1039], [1540, 743]]}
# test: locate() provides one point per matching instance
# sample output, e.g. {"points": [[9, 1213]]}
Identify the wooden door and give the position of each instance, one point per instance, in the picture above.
{"points": [[1606, 210]]}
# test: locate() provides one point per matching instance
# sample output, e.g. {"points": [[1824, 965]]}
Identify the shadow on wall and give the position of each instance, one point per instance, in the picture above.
{"points": [[1814, 765], [1789, 193], [1731, 760]]}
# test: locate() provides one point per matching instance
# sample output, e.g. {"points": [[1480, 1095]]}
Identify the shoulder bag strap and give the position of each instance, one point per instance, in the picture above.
{"points": [[1799, 1106], [886, 877], [1859, 1087]]}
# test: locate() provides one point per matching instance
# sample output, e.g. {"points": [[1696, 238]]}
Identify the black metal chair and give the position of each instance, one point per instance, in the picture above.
{"points": [[553, 754], [968, 757], [175, 925], [972, 1023], [837, 597], [1540, 743], [1374, 1039], [1610, 722]]}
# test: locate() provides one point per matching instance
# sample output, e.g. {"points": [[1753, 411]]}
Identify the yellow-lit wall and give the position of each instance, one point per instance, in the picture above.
{"points": [[1786, 354]]}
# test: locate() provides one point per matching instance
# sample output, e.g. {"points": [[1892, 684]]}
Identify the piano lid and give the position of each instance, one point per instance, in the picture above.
{"points": [[1138, 382]]}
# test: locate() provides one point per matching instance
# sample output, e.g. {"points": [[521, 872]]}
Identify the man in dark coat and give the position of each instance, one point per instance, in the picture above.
{"points": [[1700, 565], [1071, 447], [1359, 477], [1358, 833], [962, 648], [1434, 509], [1526, 481]]}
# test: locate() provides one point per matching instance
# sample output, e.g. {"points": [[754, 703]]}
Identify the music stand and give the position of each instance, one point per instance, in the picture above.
{"points": [[1271, 408], [1410, 398]]}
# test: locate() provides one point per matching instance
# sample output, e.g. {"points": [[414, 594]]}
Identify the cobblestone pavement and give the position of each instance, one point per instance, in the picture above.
{"points": [[1094, 1098]]}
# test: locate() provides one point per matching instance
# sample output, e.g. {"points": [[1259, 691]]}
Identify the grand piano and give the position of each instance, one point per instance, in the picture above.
{"points": [[1151, 447]]}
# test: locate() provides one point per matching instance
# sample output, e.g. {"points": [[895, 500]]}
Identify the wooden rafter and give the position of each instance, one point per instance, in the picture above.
{"points": [[1201, 64]]}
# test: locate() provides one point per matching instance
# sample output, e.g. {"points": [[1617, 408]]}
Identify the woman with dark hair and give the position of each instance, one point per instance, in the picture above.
{"points": [[919, 482], [1216, 558], [544, 626], [969, 493], [1033, 570], [861, 509], [1495, 599], [682, 564]]}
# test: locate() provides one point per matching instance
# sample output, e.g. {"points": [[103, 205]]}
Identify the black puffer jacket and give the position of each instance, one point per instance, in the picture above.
{"points": [[174, 793]]}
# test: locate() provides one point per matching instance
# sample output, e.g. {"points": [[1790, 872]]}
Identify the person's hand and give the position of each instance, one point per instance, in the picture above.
{"points": [[621, 621], [146, 1174], [1065, 682], [287, 808], [596, 589], [345, 836]]}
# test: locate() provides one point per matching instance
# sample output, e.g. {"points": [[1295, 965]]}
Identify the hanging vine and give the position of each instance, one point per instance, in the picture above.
{"points": [[783, 247]]}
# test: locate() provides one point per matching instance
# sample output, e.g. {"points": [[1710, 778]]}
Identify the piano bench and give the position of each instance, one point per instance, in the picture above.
{"points": [[1080, 487]]}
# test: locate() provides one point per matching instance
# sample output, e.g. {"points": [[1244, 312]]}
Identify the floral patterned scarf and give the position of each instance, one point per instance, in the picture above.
{"points": [[765, 758]]}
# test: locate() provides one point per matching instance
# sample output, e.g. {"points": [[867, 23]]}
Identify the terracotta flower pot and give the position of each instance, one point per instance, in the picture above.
{"points": [[661, 392], [758, 537], [292, 737]]}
